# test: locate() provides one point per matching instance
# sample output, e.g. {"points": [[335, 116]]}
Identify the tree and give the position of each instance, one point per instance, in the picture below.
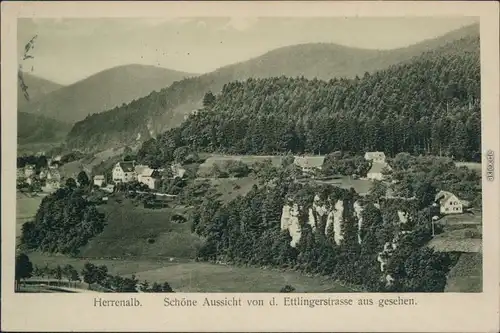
{"points": [[166, 288], [24, 268], [58, 272], [287, 289], [208, 99], [90, 274], [71, 183], [83, 179], [425, 193], [71, 273]]}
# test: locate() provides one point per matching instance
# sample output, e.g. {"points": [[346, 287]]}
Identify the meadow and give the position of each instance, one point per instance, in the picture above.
{"points": [[189, 276], [133, 231]]}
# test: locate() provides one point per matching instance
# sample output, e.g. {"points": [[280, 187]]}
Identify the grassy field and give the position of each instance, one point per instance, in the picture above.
{"points": [[467, 274], [362, 186], [201, 277], [471, 165], [205, 277], [133, 231], [229, 188]]}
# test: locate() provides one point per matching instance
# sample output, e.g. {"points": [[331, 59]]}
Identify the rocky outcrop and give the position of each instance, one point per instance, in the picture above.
{"points": [[331, 211]]}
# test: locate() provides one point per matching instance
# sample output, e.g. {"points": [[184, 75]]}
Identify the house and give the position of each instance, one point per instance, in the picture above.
{"points": [[308, 164], [29, 170], [53, 174], [42, 174], [124, 172], [150, 177], [20, 173], [375, 156], [109, 188], [177, 170], [375, 172], [99, 180], [449, 203], [52, 185]]}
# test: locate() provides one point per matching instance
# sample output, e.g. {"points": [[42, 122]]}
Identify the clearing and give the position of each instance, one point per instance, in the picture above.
{"points": [[133, 231]]}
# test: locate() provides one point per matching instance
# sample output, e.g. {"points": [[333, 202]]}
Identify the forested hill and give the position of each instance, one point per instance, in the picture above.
{"points": [[166, 109], [32, 128], [36, 88], [430, 105], [101, 91]]}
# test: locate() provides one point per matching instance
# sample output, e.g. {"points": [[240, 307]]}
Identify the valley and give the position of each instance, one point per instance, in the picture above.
{"points": [[312, 168]]}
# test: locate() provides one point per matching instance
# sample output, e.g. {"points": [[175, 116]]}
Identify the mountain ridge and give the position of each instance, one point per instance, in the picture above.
{"points": [[101, 91], [168, 107]]}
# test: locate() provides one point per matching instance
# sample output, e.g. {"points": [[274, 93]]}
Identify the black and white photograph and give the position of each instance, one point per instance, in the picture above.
{"points": [[256, 154]]}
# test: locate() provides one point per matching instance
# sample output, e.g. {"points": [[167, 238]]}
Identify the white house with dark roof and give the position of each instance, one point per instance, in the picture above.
{"points": [[449, 203], [99, 180], [309, 164], [149, 177], [375, 156], [124, 172]]}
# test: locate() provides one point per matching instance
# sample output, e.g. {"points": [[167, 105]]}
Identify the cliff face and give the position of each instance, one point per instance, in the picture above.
{"points": [[332, 212]]}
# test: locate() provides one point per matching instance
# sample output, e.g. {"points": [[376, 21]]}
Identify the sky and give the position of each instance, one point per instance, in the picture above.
{"points": [[68, 50]]}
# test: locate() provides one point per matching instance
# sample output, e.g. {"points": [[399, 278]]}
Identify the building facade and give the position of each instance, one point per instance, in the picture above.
{"points": [[124, 172]]}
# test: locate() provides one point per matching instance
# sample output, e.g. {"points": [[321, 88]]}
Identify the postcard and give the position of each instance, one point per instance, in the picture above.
{"points": [[250, 166]]}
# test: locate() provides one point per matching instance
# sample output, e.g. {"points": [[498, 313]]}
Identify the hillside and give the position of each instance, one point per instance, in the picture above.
{"points": [[37, 88], [429, 105], [162, 110], [37, 129], [102, 91]]}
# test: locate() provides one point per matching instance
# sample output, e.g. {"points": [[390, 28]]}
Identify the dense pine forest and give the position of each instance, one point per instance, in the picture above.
{"points": [[430, 105]]}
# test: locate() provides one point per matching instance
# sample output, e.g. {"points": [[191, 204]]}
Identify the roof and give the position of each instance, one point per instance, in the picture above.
{"points": [[374, 154], [309, 161], [127, 166], [443, 196], [140, 169], [99, 177]]}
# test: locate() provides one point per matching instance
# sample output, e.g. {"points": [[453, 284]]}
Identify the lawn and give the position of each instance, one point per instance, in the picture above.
{"points": [[133, 231], [361, 186], [205, 277], [467, 274], [229, 188]]}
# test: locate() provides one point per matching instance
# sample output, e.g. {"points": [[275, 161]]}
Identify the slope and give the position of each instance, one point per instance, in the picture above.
{"points": [[162, 110], [428, 105], [102, 91], [36, 88], [33, 128]]}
